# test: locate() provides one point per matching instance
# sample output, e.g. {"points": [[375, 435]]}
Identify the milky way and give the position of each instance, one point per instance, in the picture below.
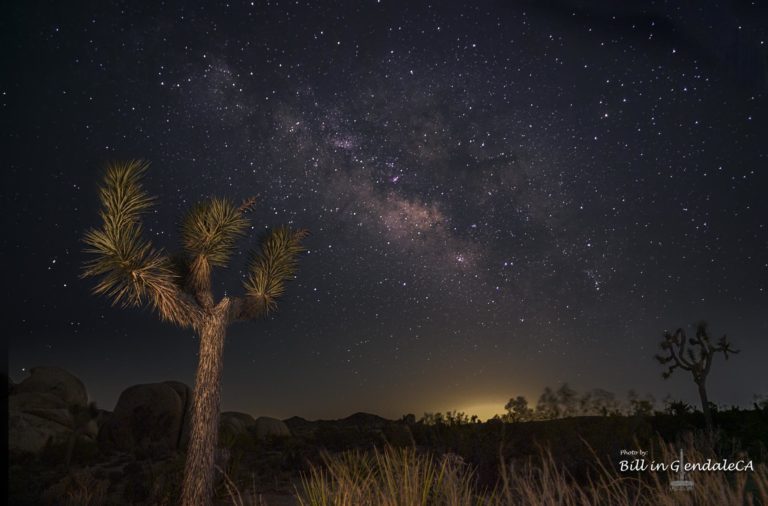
{"points": [[501, 196]]}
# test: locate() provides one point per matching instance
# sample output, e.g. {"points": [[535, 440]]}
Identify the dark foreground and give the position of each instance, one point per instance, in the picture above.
{"points": [[63, 451]]}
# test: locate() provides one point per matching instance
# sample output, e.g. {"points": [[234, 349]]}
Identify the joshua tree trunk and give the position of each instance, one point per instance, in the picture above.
{"points": [[133, 273], [197, 489], [705, 406]]}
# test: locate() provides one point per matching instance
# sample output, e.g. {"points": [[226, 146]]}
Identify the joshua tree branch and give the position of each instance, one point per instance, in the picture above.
{"points": [[245, 309], [270, 269], [681, 340], [198, 282], [672, 341], [247, 205], [209, 232], [130, 270]]}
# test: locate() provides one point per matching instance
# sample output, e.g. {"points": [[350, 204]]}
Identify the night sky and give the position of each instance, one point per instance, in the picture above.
{"points": [[501, 196]]}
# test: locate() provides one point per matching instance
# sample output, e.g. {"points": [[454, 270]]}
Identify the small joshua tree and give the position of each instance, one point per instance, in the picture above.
{"points": [[694, 355], [132, 272]]}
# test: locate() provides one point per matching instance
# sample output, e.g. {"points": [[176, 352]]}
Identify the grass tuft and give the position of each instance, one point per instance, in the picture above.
{"points": [[404, 477]]}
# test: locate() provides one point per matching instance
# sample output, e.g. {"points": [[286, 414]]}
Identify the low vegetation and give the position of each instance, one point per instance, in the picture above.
{"points": [[394, 477]]}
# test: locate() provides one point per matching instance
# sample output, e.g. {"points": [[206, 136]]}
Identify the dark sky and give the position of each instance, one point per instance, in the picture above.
{"points": [[502, 195]]}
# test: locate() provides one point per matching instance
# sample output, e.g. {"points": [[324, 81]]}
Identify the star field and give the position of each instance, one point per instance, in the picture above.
{"points": [[501, 196]]}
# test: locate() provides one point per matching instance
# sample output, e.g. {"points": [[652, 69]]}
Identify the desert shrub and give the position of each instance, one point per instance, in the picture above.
{"points": [[389, 477], [84, 489], [398, 435], [166, 478], [336, 439], [28, 476], [85, 452], [54, 452], [137, 483], [272, 464]]}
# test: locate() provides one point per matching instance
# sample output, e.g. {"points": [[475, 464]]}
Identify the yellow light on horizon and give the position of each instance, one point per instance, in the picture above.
{"points": [[485, 411]]}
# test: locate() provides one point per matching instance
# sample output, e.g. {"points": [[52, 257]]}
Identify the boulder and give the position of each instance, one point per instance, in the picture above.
{"points": [[54, 381], [27, 401], [147, 419], [40, 408], [267, 427], [91, 429], [61, 416], [31, 432], [182, 390], [235, 427], [185, 394], [237, 422]]}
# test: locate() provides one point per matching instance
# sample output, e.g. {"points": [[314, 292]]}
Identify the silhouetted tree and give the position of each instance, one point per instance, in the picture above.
{"points": [[563, 402], [694, 355], [567, 400], [599, 402], [518, 410], [433, 419], [132, 272], [456, 418], [677, 408], [640, 406], [548, 407]]}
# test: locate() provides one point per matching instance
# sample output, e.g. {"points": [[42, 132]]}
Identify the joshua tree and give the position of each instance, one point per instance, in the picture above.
{"points": [[694, 355], [132, 272]]}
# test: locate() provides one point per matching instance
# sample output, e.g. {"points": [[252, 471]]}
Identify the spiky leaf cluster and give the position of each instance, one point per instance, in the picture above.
{"points": [[211, 229], [209, 233], [693, 354], [272, 267], [130, 270]]}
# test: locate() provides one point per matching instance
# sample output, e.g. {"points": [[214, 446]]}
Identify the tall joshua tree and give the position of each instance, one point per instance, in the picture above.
{"points": [[132, 272], [694, 355]]}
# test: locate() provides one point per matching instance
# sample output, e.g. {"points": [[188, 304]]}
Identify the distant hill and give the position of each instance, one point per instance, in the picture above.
{"points": [[364, 420], [360, 420]]}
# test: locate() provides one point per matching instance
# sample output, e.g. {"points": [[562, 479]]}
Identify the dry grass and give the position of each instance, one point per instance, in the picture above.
{"points": [[390, 477], [82, 489], [237, 498], [405, 478]]}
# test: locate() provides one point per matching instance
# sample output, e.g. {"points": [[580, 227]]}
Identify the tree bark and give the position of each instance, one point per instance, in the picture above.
{"points": [[197, 488], [705, 406]]}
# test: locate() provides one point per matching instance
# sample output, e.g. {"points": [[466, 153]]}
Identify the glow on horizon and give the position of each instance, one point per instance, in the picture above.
{"points": [[485, 411]]}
